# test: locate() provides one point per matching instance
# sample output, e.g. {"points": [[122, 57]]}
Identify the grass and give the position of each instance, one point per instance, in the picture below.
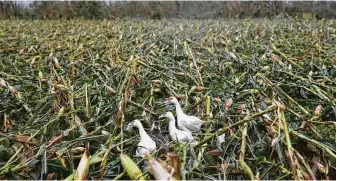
{"points": [[64, 82]]}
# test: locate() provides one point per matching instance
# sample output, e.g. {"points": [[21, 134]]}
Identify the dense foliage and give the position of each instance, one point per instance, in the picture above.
{"points": [[166, 9]]}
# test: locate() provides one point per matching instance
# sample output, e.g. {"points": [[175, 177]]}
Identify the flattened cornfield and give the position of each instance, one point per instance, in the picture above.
{"points": [[68, 89]]}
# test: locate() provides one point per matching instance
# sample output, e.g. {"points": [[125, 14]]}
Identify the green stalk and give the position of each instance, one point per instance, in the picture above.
{"points": [[320, 145], [284, 56], [243, 142], [208, 108], [289, 147], [247, 170], [225, 129], [278, 89]]}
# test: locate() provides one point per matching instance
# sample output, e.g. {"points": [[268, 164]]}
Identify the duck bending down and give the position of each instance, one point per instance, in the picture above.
{"points": [[146, 144], [185, 122], [178, 136]]}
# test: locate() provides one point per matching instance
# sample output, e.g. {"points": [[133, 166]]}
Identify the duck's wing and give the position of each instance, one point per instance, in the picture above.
{"points": [[189, 135], [140, 152], [185, 136], [152, 146], [148, 144], [145, 147], [181, 124], [184, 128], [196, 120], [179, 136], [192, 123]]}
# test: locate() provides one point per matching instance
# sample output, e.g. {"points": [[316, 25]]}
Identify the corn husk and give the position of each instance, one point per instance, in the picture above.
{"points": [[131, 168], [82, 171], [156, 169]]}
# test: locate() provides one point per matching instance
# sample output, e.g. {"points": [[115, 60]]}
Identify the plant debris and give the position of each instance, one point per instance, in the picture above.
{"points": [[68, 89]]}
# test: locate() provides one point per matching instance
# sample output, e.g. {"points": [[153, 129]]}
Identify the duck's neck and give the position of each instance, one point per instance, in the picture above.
{"points": [[179, 111], [172, 125], [142, 133]]}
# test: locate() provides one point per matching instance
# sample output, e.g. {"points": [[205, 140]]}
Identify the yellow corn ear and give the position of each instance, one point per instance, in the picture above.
{"points": [[131, 168], [71, 176]]}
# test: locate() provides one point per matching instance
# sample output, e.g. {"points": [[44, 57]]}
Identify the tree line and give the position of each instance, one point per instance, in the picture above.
{"points": [[166, 9]]}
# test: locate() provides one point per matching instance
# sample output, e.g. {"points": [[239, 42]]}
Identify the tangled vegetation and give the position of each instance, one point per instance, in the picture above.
{"points": [[68, 89]]}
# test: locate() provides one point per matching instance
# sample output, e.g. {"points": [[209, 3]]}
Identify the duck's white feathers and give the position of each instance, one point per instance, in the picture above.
{"points": [[189, 123], [145, 146], [181, 136], [185, 122], [178, 136]]}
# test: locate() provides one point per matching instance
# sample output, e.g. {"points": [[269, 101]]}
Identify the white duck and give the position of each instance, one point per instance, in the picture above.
{"points": [[146, 144], [177, 135], [185, 122]]}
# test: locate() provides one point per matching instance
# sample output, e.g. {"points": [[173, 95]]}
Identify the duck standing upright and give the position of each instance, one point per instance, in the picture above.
{"points": [[178, 136], [146, 144], [185, 122]]}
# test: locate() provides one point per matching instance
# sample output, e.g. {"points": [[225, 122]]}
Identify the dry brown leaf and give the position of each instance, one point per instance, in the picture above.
{"points": [[157, 90], [51, 176], [156, 169], [54, 140], [200, 89], [214, 152], [175, 163], [41, 77], [180, 73], [24, 139], [21, 51], [156, 81], [281, 106], [63, 162], [217, 99], [240, 108], [229, 103], [271, 130], [77, 150], [3, 83], [275, 57], [320, 167], [266, 116], [163, 163], [224, 166], [232, 55], [7, 124], [318, 110], [110, 90], [273, 142], [56, 62], [257, 176], [13, 90], [79, 124]]}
